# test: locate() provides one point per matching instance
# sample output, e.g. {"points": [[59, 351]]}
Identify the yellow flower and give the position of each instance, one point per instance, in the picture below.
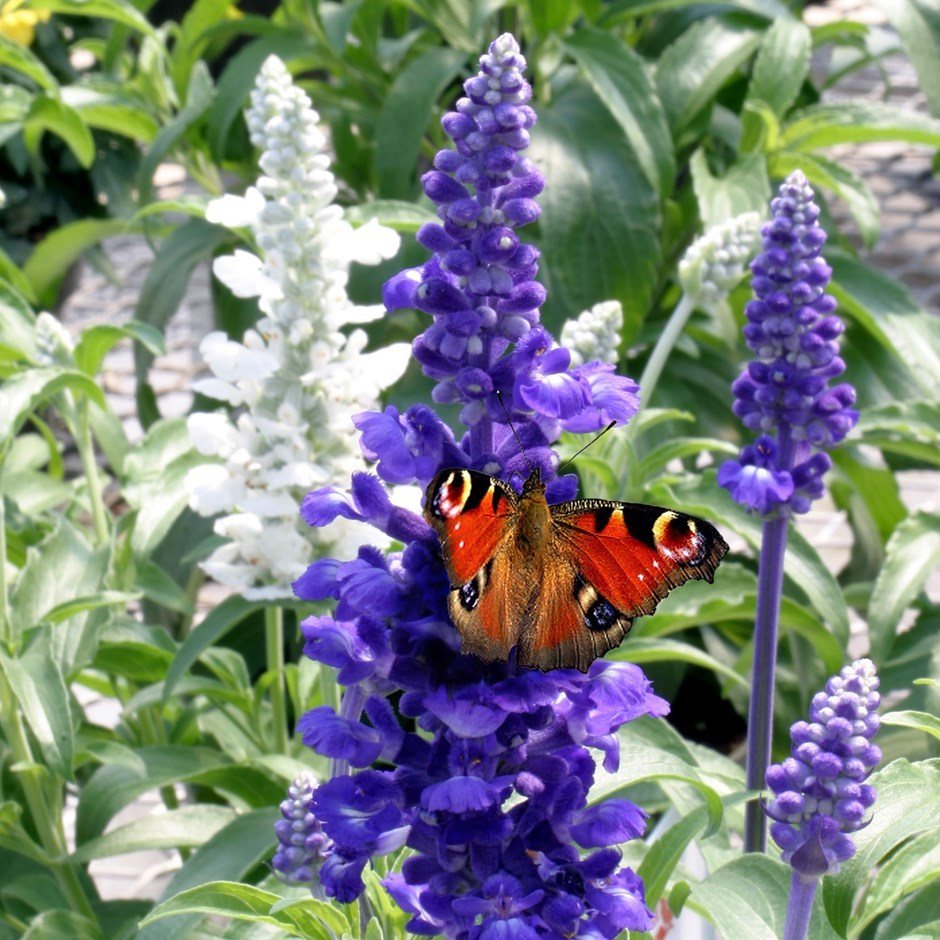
{"points": [[20, 25]]}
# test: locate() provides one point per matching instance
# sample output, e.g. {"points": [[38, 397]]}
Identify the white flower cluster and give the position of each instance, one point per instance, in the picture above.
{"points": [[715, 262], [595, 334], [297, 379]]}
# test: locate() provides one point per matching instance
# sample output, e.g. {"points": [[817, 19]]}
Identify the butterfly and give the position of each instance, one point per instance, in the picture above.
{"points": [[560, 583]]}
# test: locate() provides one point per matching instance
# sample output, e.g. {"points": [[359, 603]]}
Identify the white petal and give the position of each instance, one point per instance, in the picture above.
{"points": [[213, 434], [213, 490], [218, 389], [270, 504], [234, 362], [236, 211], [372, 243], [356, 314], [242, 274]]}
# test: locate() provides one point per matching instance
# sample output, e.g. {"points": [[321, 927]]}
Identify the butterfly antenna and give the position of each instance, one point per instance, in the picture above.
{"points": [[593, 440], [522, 450]]}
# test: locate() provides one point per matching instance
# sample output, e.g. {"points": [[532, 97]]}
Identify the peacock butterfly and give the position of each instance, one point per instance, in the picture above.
{"points": [[561, 583]]}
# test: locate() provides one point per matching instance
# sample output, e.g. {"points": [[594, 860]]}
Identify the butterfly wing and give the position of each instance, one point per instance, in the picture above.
{"points": [[474, 517], [620, 561]]}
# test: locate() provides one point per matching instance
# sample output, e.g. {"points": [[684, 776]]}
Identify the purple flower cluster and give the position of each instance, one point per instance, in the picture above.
{"points": [[485, 347], [303, 844], [482, 770], [784, 393], [819, 791]]}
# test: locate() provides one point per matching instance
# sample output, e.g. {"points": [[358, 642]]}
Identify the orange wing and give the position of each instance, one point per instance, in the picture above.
{"points": [[473, 515], [614, 562]]}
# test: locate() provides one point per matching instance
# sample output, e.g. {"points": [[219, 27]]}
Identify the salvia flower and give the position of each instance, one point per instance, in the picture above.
{"points": [[819, 792], [715, 262], [480, 285], [784, 394], [595, 334], [298, 378], [482, 770], [303, 844]]}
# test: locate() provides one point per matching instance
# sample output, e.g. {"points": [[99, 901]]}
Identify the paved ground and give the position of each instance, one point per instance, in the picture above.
{"points": [[909, 248]]}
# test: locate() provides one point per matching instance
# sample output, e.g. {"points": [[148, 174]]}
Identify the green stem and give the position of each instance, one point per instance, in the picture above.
{"points": [[657, 360], [86, 450], [48, 827], [274, 648], [6, 631]]}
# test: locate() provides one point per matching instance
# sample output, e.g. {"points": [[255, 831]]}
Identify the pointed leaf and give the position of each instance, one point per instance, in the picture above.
{"points": [[782, 65]]}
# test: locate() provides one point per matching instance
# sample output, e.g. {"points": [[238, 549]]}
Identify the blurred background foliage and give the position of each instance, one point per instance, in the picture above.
{"points": [[657, 118]]}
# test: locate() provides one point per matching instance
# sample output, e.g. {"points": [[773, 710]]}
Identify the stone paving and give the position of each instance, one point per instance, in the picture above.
{"points": [[908, 248]]}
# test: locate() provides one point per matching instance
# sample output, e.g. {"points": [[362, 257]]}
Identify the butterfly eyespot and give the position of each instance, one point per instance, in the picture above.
{"points": [[601, 615], [469, 595], [678, 537]]}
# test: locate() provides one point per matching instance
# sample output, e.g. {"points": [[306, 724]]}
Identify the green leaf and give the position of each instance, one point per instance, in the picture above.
{"points": [[921, 721], [43, 699], [17, 325], [696, 66], [24, 392], [600, 217], [908, 803], [655, 461], [77, 605], [50, 114], [185, 827], [405, 217], [118, 11], [915, 918], [181, 252], [915, 865], [781, 66], [743, 188], [657, 650], [199, 97], [20, 59], [918, 25], [911, 428], [96, 341], [748, 898], [886, 311], [663, 855], [111, 108], [230, 854], [849, 122], [159, 587], [17, 281], [404, 118], [911, 555], [233, 610], [61, 248], [304, 918], [620, 80], [828, 174], [54, 925], [154, 474], [621, 10]]}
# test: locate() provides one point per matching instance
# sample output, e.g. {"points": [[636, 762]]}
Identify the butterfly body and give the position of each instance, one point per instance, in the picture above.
{"points": [[560, 583]]}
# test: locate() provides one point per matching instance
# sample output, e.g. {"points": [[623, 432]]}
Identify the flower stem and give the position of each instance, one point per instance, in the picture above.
{"points": [[657, 360], [800, 906], [86, 450], [274, 648], [760, 713]]}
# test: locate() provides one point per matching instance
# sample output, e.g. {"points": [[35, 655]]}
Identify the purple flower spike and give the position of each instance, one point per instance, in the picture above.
{"points": [[784, 392], [480, 288], [303, 844], [820, 794], [483, 770]]}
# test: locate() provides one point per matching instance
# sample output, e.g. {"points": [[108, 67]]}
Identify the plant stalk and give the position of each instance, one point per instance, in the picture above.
{"points": [[6, 627], [800, 906], [760, 711], [274, 648], [86, 450], [657, 360]]}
